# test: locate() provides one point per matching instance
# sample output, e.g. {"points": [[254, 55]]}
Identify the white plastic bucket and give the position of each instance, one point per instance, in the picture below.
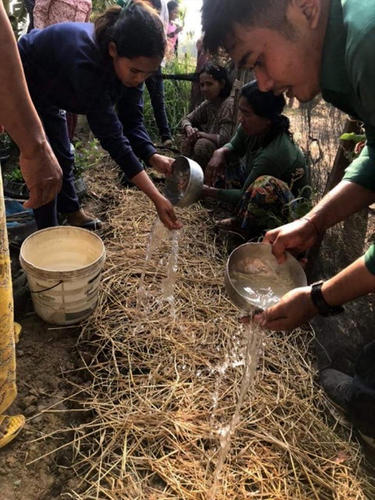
{"points": [[63, 265]]}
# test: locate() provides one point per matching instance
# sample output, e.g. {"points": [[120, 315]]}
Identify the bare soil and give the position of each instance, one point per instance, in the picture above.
{"points": [[44, 356]]}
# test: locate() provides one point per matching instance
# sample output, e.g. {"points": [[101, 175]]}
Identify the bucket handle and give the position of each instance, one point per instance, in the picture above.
{"points": [[46, 289]]}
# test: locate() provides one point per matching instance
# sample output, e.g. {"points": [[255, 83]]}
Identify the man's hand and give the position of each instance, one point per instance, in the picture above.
{"points": [[216, 167], [42, 175], [166, 213], [294, 309], [295, 237], [161, 163]]}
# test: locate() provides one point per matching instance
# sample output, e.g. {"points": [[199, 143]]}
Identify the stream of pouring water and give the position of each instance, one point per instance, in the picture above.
{"points": [[155, 238], [158, 234], [168, 283], [254, 338]]}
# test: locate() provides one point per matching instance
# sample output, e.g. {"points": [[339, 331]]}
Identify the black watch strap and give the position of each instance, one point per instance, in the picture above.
{"points": [[320, 303]]}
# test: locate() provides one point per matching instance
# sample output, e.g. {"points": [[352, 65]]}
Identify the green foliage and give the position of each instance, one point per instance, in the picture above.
{"points": [[5, 141], [15, 175], [177, 97], [99, 6], [87, 154], [353, 137]]}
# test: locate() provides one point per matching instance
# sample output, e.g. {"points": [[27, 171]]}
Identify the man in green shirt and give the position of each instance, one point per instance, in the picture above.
{"points": [[303, 47]]}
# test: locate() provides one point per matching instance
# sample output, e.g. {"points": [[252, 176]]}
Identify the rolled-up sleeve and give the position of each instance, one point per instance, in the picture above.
{"points": [[362, 75], [362, 170], [370, 259]]}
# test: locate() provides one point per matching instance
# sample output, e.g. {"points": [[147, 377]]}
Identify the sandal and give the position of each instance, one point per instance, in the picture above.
{"points": [[10, 427], [92, 225], [17, 332], [229, 224]]}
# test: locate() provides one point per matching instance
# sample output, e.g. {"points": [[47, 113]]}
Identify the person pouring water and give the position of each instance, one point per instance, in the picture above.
{"points": [[87, 68], [304, 47]]}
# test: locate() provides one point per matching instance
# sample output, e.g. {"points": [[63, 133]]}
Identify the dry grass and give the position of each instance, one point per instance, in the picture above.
{"points": [[162, 385]]}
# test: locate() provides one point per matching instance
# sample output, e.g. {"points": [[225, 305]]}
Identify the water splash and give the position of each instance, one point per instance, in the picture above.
{"points": [[157, 235], [168, 283], [254, 336]]}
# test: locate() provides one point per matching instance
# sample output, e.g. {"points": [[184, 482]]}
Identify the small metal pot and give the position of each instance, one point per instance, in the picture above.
{"points": [[184, 186], [261, 251]]}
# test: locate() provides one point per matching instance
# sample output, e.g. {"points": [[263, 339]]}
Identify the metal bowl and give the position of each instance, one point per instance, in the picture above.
{"points": [[254, 279], [184, 186]]}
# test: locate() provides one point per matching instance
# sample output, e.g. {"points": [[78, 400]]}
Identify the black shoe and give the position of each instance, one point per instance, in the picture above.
{"points": [[338, 387], [166, 141], [125, 182]]}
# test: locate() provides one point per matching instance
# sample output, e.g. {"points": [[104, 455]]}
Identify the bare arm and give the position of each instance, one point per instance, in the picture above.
{"points": [[39, 166], [344, 200], [296, 306], [162, 205]]}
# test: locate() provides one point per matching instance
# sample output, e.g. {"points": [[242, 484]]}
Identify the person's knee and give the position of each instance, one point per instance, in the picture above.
{"points": [[268, 180], [204, 147], [203, 150]]}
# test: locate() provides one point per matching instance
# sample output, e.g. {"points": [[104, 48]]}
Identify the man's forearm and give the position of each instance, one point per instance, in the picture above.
{"points": [[17, 112], [342, 201], [352, 282]]}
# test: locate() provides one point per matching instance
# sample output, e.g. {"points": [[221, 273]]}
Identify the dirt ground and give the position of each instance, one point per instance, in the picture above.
{"points": [[44, 357]]}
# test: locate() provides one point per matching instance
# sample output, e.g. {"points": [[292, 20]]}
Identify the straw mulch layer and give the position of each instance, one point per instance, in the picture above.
{"points": [[164, 383]]}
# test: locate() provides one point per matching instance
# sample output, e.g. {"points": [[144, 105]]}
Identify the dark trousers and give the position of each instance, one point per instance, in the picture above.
{"points": [[155, 88], [71, 122], [362, 402], [54, 122]]}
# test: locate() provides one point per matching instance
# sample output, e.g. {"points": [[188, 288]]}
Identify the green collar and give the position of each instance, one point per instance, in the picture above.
{"points": [[334, 75]]}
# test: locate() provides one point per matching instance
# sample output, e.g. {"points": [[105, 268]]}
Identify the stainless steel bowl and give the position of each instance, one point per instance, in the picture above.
{"points": [[184, 186], [255, 280]]}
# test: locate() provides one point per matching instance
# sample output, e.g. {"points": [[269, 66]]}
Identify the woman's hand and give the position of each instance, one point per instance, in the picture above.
{"points": [[209, 192], [191, 133], [166, 213], [216, 167], [42, 175], [203, 135], [293, 309], [161, 163], [296, 237]]}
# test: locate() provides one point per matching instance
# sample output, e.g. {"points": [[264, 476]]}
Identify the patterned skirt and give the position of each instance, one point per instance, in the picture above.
{"points": [[268, 203]]}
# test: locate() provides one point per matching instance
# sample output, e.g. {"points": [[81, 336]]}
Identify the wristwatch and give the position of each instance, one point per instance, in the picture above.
{"points": [[320, 303]]}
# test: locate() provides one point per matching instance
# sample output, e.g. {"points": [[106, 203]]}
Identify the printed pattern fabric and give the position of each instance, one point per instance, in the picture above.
{"points": [[266, 204], [8, 388], [47, 12], [213, 118]]}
